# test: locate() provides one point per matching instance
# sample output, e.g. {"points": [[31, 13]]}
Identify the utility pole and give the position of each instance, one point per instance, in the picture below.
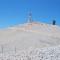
{"points": [[2, 48], [2, 51], [15, 50]]}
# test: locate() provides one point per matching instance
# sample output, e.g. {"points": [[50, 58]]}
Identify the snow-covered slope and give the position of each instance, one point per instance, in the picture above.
{"points": [[30, 41], [29, 35], [51, 53]]}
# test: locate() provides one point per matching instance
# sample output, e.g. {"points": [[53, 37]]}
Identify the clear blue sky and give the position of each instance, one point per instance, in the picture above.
{"points": [[16, 11]]}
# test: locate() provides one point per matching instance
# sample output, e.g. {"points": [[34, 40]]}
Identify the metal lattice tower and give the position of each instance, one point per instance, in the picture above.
{"points": [[30, 18]]}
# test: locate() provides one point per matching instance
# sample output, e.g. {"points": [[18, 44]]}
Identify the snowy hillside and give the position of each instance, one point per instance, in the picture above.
{"points": [[29, 35]]}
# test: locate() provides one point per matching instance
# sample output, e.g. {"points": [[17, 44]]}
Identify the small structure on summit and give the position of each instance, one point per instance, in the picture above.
{"points": [[54, 22]]}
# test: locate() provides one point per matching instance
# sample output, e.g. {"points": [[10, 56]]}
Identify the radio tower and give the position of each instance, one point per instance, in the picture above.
{"points": [[30, 18]]}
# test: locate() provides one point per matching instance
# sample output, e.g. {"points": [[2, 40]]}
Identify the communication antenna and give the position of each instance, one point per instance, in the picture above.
{"points": [[30, 18]]}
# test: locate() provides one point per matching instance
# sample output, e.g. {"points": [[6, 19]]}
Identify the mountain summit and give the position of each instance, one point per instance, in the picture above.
{"points": [[30, 35]]}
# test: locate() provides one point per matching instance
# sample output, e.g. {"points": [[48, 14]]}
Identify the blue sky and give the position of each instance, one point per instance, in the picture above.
{"points": [[16, 11]]}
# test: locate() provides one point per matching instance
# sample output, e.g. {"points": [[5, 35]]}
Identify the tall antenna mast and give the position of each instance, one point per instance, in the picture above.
{"points": [[30, 18]]}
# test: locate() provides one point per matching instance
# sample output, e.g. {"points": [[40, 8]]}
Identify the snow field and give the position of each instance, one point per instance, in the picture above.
{"points": [[49, 53]]}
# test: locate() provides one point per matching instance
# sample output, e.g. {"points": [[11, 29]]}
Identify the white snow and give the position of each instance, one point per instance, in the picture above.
{"points": [[27, 36], [51, 53]]}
